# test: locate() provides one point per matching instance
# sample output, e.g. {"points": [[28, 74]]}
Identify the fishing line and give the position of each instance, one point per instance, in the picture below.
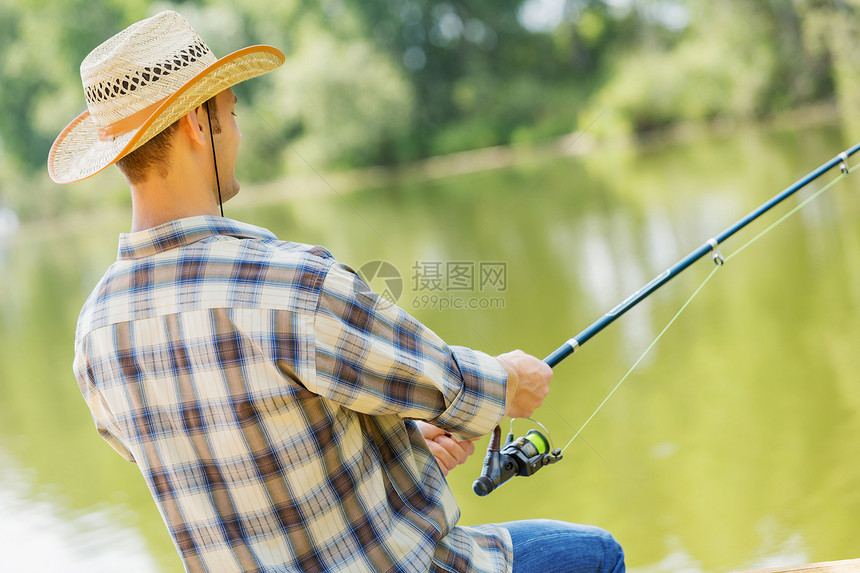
{"points": [[800, 206], [719, 260], [642, 357]]}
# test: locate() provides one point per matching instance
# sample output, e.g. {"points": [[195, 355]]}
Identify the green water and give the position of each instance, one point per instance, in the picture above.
{"points": [[733, 445]]}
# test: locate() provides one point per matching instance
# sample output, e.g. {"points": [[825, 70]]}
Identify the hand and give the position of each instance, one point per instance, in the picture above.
{"points": [[528, 383], [448, 451]]}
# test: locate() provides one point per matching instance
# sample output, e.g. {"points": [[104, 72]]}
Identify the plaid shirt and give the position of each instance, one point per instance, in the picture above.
{"points": [[265, 394]]}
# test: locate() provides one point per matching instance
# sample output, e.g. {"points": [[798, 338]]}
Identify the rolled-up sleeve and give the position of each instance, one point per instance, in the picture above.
{"points": [[373, 357]]}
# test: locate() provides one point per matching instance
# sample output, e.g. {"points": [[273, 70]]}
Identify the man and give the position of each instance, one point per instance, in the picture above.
{"points": [[268, 396]]}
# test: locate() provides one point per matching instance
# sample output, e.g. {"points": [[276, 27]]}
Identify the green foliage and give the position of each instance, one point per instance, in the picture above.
{"points": [[738, 59], [41, 47], [370, 83], [832, 31], [344, 100]]}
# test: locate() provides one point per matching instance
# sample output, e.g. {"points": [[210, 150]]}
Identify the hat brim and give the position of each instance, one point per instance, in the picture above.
{"points": [[79, 153]]}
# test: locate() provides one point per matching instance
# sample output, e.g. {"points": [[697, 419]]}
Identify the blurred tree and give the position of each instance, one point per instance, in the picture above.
{"points": [[832, 30], [345, 103], [736, 58], [482, 70], [41, 47], [385, 82]]}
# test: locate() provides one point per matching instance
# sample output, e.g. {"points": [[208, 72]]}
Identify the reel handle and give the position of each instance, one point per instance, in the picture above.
{"points": [[487, 482]]}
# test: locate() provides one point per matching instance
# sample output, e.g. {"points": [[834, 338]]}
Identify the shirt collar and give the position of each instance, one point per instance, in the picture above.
{"points": [[183, 232]]}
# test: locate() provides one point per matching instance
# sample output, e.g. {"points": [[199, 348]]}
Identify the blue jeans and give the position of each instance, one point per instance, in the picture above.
{"points": [[548, 546]]}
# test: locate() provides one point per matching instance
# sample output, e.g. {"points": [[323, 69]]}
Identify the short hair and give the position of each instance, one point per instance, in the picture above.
{"points": [[152, 155]]}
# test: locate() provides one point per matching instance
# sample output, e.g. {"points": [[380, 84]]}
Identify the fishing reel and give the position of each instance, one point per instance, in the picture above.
{"points": [[517, 457]]}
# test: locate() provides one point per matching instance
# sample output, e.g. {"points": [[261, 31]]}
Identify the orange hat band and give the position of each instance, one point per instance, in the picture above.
{"points": [[126, 124]]}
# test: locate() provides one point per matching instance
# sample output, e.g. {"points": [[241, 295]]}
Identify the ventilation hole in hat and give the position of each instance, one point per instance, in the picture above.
{"points": [[110, 89]]}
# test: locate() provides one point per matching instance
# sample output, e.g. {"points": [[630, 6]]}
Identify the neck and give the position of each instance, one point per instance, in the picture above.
{"points": [[145, 217], [157, 201], [187, 187]]}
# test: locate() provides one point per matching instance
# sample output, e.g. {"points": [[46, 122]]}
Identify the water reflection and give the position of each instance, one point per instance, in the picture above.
{"points": [[610, 269], [662, 246], [776, 553], [8, 224], [37, 535]]}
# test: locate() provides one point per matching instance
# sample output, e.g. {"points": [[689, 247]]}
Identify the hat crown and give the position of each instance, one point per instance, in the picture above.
{"points": [[142, 65], [141, 81]]}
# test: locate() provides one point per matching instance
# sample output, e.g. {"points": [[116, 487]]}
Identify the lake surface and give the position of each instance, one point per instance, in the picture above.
{"points": [[733, 445]]}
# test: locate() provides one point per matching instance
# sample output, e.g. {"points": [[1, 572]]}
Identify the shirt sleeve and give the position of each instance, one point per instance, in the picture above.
{"points": [[373, 357], [97, 405]]}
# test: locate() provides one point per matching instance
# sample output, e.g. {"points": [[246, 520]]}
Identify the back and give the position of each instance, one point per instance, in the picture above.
{"points": [[199, 354]]}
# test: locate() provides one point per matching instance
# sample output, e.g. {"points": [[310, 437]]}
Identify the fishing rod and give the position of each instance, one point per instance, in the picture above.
{"points": [[524, 456]]}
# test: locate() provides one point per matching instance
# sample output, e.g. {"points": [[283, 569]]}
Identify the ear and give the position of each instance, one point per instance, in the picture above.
{"points": [[194, 125]]}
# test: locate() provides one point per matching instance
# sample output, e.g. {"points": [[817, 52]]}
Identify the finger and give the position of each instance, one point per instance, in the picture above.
{"points": [[546, 370], [468, 447], [443, 457], [454, 448], [429, 431]]}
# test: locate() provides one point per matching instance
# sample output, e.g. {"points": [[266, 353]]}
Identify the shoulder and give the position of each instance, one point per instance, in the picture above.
{"points": [[245, 259], [220, 271]]}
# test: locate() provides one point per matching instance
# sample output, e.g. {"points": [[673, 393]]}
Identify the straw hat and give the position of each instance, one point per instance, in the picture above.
{"points": [[138, 83]]}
